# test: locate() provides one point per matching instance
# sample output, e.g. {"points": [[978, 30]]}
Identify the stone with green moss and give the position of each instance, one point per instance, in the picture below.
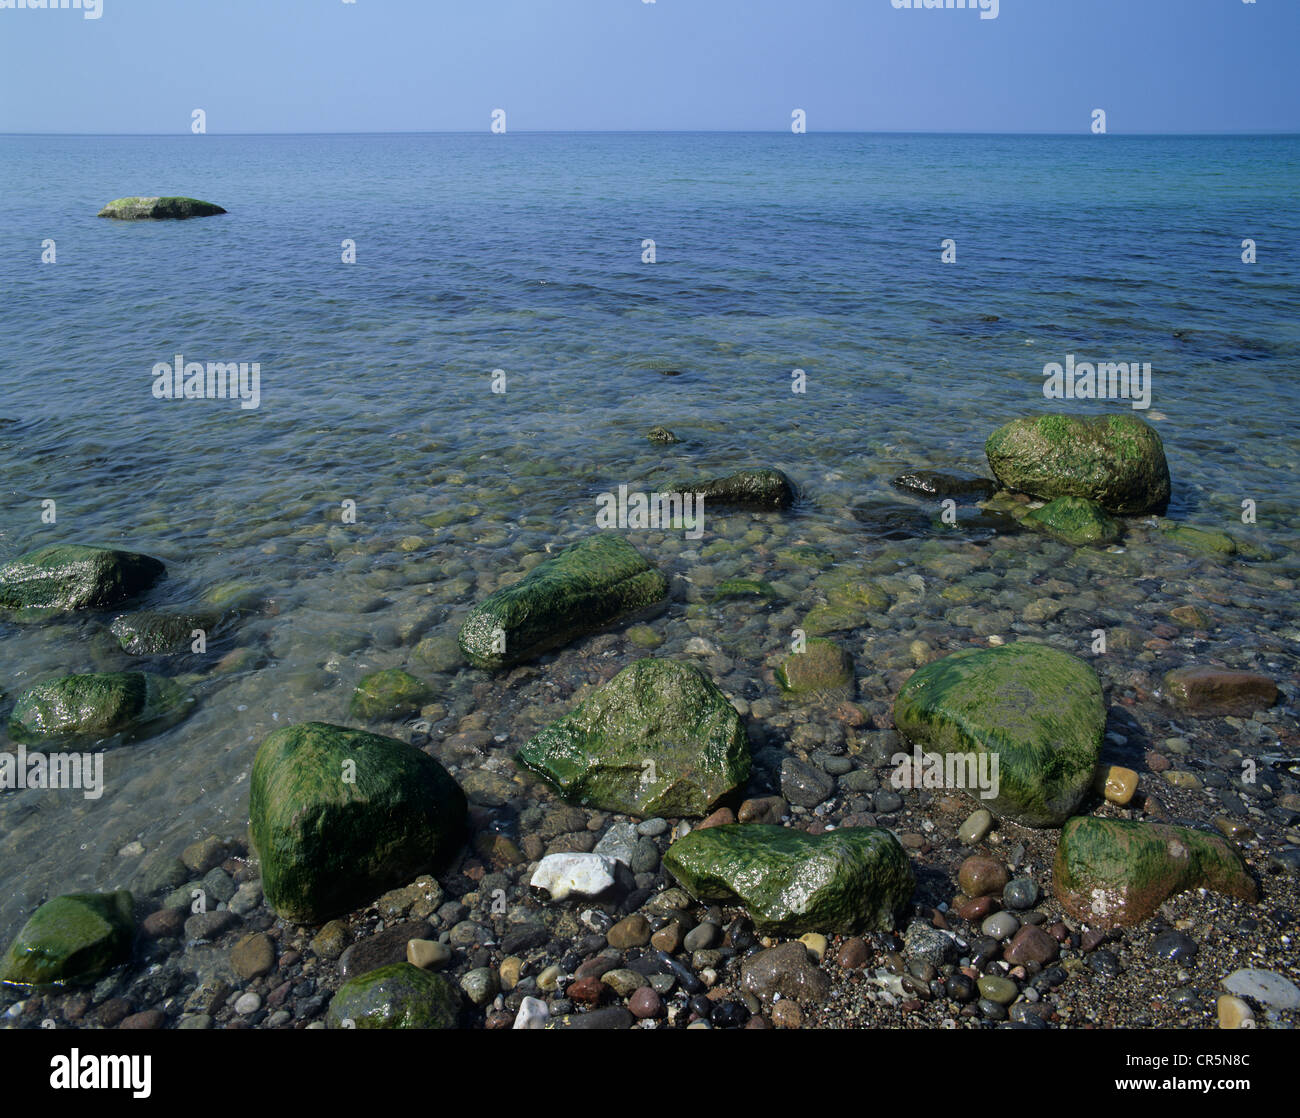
{"points": [[97, 705], [750, 489], [1210, 541], [1118, 872], [661, 435], [584, 587], [753, 588], [338, 816], [1075, 521], [391, 693], [841, 882], [1038, 710], [805, 555], [74, 938], [399, 996], [158, 209], [66, 576], [152, 633], [827, 618], [822, 667], [644, 636], [1116, 460], [659, 739]]}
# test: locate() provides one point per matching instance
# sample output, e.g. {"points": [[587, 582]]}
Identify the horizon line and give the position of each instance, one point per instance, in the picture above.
{"points": [[1084, 133]]}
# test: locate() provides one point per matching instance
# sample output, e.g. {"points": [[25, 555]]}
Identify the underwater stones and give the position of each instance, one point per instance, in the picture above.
{"points": [[1075, 521], [157, 209], [585, 586], [573, 874], [1210, 690], [822, 667], [763, 488], [399, 996], [95, 705], [390, 693], [151, 633], [73, 938], [76, 577], [945, 483]]}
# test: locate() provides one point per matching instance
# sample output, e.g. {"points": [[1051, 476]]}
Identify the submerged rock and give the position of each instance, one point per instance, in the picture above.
{"points": [[151, 633], [1209, 690], [1076, 521], [756, 489], [823, 666], [399, 996], [155, 208], [1116, 460], [73, 938], [657, 739], [561, 875], [1117, 872], [661, 435], [945, 483], [96, 705], [845, 881], [1038, 710], [339, 815], [584, 587], [76, 576], [391, 693]]}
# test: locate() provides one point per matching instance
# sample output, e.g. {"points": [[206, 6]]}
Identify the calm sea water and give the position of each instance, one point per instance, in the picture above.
{"points": [[524, 253]]}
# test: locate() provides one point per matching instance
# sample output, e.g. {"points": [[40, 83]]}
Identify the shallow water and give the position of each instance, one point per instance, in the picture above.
{"points": [[523, 253]]}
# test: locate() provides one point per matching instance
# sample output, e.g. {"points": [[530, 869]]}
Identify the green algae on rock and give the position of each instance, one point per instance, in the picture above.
{"points": [[763, 488], [841, 882], [399, 996], [157, 209], [96, 705], [390, 693], [1038, 710], [65, 576], [822, 667], [1118, 872], [1116, 460], [1209, 541], [151, 633], [74, 938], [1211, 690], [585, 586], [659, 739], [338, 815], [1074, 520], [752, 588]]}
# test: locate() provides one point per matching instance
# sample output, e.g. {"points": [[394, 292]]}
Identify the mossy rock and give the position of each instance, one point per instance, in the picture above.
{"points": [[152, 633], [1116, 460], [822, 667], [159, 209], [583, 588], [1118, 872], [805, 555], [643, 636], [1075, 521], [399, 996], [661, 435], [764, 488], [96, 705], [941, 484], [71, 939], [1210, 541], [391, 693], [76, 577], [841, 882], [338, 816], [1037, 709], [751, 588], [659, 739]]}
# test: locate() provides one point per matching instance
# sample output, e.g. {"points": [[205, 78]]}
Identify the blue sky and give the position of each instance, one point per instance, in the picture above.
{"points": [[852, 65]]}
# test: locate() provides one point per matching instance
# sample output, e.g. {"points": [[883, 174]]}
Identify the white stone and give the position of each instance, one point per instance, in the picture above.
{"points": [[1264, 986], [248, 1004], [532, 1014], [586, 875]]}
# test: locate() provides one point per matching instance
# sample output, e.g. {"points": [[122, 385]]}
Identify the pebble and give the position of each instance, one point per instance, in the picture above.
{"points": [[253, 956], [1174, 946], [248, 1004], [927, 943], [1000, 926], [982, 876], [652, 828], [816, 944], [888, 802], [532, 1014], [508, 972], [584, 875], [623, 982], [1105, 962], [1264, 986], [1020, 893], [701, 937], [1117, 784], [1031, 945], [208, 925], [645, 1003], [427, 954], [631, 931], [787, 1015], [853, 954], [1234, 1013], [976, 828], [149, 1019]]}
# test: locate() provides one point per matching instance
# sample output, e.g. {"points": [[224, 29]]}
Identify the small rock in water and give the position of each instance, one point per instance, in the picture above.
{"points": [[532, 1014], [981, 876], [1174, 946], [1020, 893], [976, 828], [1117, 784], [1234, 1013], [1001, 925], [585, 875], [1264, 986]]}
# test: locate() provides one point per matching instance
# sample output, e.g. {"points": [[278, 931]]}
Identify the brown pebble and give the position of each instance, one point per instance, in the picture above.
{"points": [[853, 954], [631, 931], [979, 908], [595, 967], [252, 956], [165, 922], [149, 1019], [1031, 945], [1157, 762], [982, 876], [112, 1012], [786, 1014], [1092, 939], [586, 991], [645, 1003], [499, 1019], [723, 817], [763, 809], [668, 938]]}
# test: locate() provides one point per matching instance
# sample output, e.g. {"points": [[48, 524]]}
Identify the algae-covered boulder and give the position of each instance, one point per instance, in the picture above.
{"points": [[585, 586], [158, 209], [659, 739], [822, 667], [749, 489], [399, 996], [1074, 520], [65, 576], [841, 882], [1037, 710], [390, 693], [339, 815], [1116, 460], [153, 633], [97, 705], [1117, 872], [73, 938]]}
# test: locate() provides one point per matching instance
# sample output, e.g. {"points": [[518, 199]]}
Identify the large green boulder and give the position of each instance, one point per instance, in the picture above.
{"points": [[338, 816], [69, 576], [659, 739], [841, 882], [151, 633], [585, 586], [157, 209], [97, 705], [764, 488], [399, 996], [1037, 710], [1075, 521], [73, 938], [1116, 460], [390, 693], [1118, 872]]}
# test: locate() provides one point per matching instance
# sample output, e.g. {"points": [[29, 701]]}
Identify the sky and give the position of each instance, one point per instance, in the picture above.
{"points": [[1154, 66]]}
